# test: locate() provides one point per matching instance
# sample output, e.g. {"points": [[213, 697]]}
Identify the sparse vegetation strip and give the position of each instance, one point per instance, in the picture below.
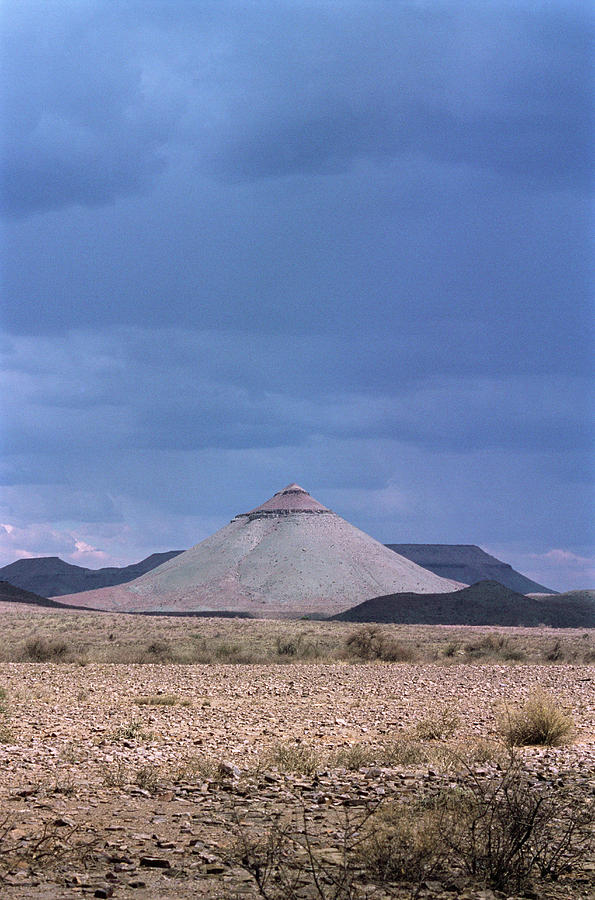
{"points": [[41, 636]]}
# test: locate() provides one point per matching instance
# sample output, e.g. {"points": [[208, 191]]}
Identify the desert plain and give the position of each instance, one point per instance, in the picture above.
{"points": [[184, 757]]}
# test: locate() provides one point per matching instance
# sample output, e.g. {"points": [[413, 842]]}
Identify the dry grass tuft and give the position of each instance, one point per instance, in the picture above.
{"points": [[540, 721], [404, 844], [149, 778], [157, 700], [6, 735], [200, 765], [439, 726], [355, 757], [297, 758], [131, 732]]}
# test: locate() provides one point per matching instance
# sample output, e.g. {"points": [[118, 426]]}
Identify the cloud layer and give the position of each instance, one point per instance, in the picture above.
{"points": [[343, 244]]}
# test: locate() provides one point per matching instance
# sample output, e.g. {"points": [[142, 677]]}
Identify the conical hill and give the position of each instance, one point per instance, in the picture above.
{"points": [[290, 556]]}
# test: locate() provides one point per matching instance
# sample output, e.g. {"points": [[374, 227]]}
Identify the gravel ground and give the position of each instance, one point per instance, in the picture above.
{"points": [[120, 764]]}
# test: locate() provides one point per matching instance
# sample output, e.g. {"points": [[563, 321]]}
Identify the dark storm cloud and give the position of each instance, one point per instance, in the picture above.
{"points": [[476, 267], [172, 390], [81, 122], [98, 91], [496, 86]]}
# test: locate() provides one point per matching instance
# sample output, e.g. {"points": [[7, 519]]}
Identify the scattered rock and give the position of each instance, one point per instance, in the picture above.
{"points": [[228, 770], [155, 862]]}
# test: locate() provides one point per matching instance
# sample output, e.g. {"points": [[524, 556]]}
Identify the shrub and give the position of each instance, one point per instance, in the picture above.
{"points": [[370, 642], [514, 654], [157, 652], [540, 721], [555, 653], [404, 844], [503, 831], [286, 861], [39, 649], [492, 645], [288, 646], [508, 830], [438, 726], [42, 845]]}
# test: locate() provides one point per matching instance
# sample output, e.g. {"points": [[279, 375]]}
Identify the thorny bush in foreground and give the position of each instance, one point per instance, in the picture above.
{"points": [[504, 830], [44, 845], [288, 859], [507, 830]]}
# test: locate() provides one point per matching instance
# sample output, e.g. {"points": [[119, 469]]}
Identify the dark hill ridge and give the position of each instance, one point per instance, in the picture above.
{"points": [[483, 603], [11, 594], [50, 576], [469, 564]]}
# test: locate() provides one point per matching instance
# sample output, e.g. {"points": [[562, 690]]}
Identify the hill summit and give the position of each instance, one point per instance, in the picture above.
{"points": [[289, 556]]}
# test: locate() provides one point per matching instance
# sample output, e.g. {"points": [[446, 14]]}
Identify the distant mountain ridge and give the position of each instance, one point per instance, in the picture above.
{"points": [[50, 576], [468, 563], [483, 603]]}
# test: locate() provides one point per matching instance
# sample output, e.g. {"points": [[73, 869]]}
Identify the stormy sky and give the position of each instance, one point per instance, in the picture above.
{"points": [[339, 242]]}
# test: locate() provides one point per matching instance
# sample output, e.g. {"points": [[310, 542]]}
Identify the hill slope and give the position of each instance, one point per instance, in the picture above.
{"points": [[468, 563], [483, 603], [50, 576]]}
